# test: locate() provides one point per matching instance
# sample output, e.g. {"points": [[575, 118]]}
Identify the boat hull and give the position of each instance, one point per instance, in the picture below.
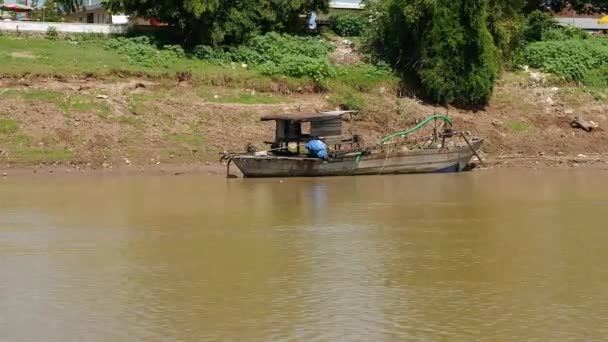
{"points": [[422, 161]]}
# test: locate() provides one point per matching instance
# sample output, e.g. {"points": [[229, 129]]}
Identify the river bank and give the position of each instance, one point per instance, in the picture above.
{"points": [[138, 123], [217, 169], [101, 111]]}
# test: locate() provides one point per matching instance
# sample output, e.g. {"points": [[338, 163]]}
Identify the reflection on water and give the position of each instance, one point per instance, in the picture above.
{"points": [[498, 255]]}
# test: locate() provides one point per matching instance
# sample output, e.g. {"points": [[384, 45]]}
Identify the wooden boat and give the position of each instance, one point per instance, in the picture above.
{"points": [[347, 155]]}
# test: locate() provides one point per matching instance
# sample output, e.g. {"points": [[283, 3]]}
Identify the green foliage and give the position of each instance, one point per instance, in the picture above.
{"points": [[597, 77], [444, 45], [537, 26], [348, 25], [574, 60], [51, 33], [347, 100], [142, 51], [176, 50], [459, 61], [276, 54], [216, 22], [51, 12]]}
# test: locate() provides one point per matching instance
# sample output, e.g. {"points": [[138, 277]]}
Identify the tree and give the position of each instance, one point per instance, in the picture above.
{"points": [[69, 6], [50, 12], [459, 59], [443, 46], [219, 21]]}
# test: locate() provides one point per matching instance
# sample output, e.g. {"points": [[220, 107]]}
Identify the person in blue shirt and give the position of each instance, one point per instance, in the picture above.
{"points": [[316, 148]]}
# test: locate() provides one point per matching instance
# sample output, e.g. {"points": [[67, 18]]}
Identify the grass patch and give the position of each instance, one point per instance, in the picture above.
{"points": [[84, 104], [65, 58], [8, 125], [32, 95], [364, 78], [138, 104], [187, 140], [135, 121], [66, 103], [583, 95], [518, 126], [348, 100], [239, 96], [40, 155], [17, 149]]}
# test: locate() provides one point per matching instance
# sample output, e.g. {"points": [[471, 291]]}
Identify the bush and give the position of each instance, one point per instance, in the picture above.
{"points": [[537, 25], [207, 53], [51, 33], [142, 51], [176, 50], [459, 62], [442, 47], [300, 66], [541, 26], [348, 24], [574, 60], [597, 77], [276, 54], [348, 100]]}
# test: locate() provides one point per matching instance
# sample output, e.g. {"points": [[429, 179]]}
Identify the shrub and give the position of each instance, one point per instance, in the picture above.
{"points": [[348, 24], [442, 47], [176, 50], [597, 77], [300, 66], [574, 60], [348, 100], [537, 25], [51, 33], [142, 51], [276, 54], [459, 62]]}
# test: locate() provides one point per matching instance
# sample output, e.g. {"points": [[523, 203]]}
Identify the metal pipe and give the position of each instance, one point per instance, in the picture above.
{"points": [[472, 149]]}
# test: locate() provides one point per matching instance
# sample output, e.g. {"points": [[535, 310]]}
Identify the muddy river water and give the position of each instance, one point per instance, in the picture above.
{"points": [[500, 255]]}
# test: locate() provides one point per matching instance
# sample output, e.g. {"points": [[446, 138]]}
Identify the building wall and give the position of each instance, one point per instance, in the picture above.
{"points": [[33, 26], [93, 16]]}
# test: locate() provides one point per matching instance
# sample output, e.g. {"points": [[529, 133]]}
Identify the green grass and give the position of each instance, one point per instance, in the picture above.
{"points": [[65, 58], [142, 104], [135, 121], [364, 78], [40, 155], [32, 95], [240, 96], [17, 145], [8, 125], [28, 56], [84, 104], [517, 126], [348, 100], [583, 95], [188, 140], [68, 104]]}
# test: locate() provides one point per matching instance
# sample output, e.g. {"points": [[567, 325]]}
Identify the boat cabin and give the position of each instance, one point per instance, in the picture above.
{"points": [[297, 128]]}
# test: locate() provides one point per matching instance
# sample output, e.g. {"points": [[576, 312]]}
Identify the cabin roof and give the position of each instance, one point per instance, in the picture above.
{"points": [[306, 117]]}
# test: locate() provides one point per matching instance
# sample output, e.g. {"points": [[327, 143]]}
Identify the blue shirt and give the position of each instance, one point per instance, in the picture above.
{"points": [[316, 148]]}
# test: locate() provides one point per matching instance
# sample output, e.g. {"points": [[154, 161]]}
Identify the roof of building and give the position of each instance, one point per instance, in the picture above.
{"points": [[307, 116], [583, 23]]}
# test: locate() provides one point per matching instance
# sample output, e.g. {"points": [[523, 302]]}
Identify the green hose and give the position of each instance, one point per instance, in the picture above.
{"points": [[402, 134], [419, 126]]}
